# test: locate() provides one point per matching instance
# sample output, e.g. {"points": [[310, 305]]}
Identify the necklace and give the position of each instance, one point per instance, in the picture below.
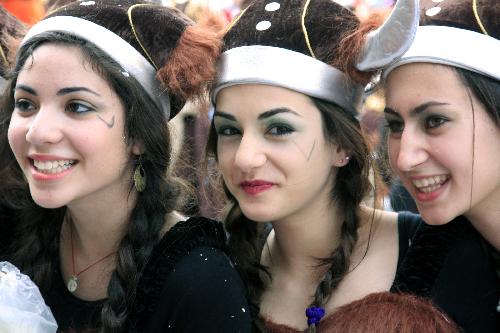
{"points": [[73, 280]]}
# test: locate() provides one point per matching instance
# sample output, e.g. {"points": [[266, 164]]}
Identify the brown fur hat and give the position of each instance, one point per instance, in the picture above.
{"points": [[162, 35], [11, 32], [460, 14], [333, 32]]}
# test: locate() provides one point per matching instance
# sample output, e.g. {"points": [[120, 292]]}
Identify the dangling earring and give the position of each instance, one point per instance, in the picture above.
{"points": [[140, 176]]}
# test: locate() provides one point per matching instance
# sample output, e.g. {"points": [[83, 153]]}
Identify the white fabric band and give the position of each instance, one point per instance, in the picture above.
{"points": [[288, 69], [455, 47], [131, 60]]}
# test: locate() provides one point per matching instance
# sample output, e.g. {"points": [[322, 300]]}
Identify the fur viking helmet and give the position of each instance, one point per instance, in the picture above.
{"points": [[459, 33], [157, 45], [311, 47]]}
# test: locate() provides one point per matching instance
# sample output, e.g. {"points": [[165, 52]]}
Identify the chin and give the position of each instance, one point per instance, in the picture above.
{"points": [[437, 217], [49, 203], [257, 216]]}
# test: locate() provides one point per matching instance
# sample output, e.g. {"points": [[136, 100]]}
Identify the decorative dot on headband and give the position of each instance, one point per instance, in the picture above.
{"points": [[263, 25], [314, 315], [434, 10], [272, 6]]}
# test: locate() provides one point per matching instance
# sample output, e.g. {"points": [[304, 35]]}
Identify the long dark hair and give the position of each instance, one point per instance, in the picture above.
{"points": [[36, 242], [485, 89], [352, 185]]}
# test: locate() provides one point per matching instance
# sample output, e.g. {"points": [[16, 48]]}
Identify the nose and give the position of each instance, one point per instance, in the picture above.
{"points": [[44, 128], [250, 153], [412, 150]]}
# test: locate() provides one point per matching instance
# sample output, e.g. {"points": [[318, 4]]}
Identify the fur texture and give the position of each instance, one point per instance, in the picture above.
{"points": [[176, 39], [459, 14]]}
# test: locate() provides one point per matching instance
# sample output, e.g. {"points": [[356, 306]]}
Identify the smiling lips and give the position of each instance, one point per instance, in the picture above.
{"points": [[255, 187], [429, 188], [46, 168], [52, 167]]}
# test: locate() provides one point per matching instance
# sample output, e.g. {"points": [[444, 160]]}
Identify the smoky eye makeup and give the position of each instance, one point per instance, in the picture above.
{"points": [[279, 126], [225, 127]]}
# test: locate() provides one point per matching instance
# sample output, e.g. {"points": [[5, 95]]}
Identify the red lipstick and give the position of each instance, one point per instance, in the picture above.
{"points": [[255, 187]]}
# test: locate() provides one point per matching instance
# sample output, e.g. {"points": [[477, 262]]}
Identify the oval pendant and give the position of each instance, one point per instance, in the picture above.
{"points": [[72, 284]]}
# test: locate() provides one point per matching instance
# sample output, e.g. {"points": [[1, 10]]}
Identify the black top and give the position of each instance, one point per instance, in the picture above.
{"points": [[188, 285], [452, 265]]}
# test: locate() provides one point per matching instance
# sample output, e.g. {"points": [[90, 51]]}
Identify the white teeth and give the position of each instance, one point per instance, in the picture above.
{"points": [[429, 184], [53, 166]]}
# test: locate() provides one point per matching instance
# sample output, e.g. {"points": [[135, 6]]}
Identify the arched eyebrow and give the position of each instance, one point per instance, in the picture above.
{"points": [[69, 90], [224, 115], [26, 88], [417, 110], [61, 92], [272, 112], [263, 115]]}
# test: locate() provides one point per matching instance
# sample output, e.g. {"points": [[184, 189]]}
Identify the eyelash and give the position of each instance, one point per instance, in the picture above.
{"points": [[227, 131], [87, 108], [23, 105], [281, 130], [273, 130], [397, 126]]}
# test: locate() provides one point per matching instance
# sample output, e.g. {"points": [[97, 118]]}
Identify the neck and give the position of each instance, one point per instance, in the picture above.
{"points": [[99, 227], [488, 227], [298, 242], [484, 218]]}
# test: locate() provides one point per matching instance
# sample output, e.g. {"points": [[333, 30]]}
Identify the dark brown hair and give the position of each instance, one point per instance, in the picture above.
{"points": [[36, 240], [336, 37]]}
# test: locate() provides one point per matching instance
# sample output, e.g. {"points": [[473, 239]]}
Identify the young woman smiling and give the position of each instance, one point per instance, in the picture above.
{"points": [[85, 118], [294, 163], [443, 113]]}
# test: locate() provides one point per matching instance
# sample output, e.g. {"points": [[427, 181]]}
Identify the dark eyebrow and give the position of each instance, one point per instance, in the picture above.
{"points": [[61, 92], [29, 90], [272, 112], [263, 115], [416, 111], [224, 115], [69, 90]]}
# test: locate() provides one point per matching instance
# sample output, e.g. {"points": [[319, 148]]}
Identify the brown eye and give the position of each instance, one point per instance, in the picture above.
{"points": [[78, 107], [227, 131], [24, 105], [280, 129], [395, 126], [434, 122]]}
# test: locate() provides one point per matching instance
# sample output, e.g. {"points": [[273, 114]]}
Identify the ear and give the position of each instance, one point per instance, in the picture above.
{"points": [[341, 158], [138, 148]]}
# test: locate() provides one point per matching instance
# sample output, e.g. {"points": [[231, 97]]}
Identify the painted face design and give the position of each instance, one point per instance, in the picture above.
{"points": [[272, 152], [66, 130], [443, 145]]}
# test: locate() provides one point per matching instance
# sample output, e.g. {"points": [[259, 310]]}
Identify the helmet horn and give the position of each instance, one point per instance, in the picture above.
{"points": [[390, 41]]}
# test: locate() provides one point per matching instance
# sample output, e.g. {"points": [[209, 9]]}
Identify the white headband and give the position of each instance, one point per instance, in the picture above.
{"points": [[455, 47], [288, 69], [113, 45]]}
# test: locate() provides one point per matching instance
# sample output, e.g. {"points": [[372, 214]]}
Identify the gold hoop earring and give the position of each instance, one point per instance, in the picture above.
{"points": [[140, 177]]}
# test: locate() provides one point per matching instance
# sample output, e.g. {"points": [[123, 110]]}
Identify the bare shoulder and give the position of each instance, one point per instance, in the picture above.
{"points": [[379, 226], [378, 219]]}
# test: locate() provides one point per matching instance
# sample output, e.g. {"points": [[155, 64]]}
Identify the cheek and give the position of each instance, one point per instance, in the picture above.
{"points": [[16, 135], [393, 147], [225, 156]]}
